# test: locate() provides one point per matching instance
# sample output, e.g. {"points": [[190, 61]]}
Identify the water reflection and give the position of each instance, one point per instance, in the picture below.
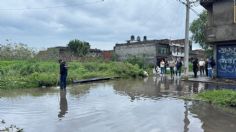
{"points": [[63, 104], [154, 87], [119, 105], [210, 86], [213, 119], [186, 120]]}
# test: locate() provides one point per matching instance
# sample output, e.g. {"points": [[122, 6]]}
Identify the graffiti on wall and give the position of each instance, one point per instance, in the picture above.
{"points": [[226, 61]]}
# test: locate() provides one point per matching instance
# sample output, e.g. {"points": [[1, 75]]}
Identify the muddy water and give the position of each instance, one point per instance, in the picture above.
{"points": [[129, 105]]}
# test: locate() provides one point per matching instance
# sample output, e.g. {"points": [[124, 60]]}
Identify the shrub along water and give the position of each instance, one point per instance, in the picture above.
{"points": [[28, 74]]}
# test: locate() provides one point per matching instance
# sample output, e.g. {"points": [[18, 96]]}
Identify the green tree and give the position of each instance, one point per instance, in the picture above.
{"points": [[198, 29], [80, 48]]}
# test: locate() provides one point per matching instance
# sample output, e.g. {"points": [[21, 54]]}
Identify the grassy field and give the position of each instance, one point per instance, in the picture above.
{"points": [[219, 97], [30, 74]]}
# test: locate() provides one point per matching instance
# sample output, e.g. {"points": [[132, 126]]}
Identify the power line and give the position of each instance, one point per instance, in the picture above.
{"points": [[190, 7], [52, 7], [194, 11]]}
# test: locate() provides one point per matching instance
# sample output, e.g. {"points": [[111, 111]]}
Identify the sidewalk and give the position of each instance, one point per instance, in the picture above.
{"points": [[204, 79]]}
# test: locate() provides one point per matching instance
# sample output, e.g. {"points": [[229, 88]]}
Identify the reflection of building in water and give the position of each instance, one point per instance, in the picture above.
{"points": [[195, 87], [152, 87], [211, 86], [163, 84], [135, 88], [213, 120], [63, 104]]}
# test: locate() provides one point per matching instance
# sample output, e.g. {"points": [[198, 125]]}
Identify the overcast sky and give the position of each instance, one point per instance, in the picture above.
{"points": [[47, 23]]}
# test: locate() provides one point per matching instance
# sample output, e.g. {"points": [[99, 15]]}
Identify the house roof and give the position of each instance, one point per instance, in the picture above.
{"points": [[162, 41]]}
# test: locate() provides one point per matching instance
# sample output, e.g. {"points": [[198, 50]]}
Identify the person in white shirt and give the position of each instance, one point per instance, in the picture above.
{"points": [[201, 66], [162, 65]]}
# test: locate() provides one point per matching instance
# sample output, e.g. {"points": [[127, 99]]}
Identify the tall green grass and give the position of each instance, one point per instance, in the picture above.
{"points": [[28, 74], [219, 97]]}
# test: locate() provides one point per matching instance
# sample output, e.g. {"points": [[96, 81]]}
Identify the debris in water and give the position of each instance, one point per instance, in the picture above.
{"points": [[11, 128]]}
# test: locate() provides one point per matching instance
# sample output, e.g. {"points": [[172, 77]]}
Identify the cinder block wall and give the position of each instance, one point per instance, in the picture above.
{"points": [[148, 51]]}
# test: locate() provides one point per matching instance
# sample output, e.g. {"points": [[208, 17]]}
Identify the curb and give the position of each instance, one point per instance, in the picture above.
{"points": [[94, 80], [214, 82]]}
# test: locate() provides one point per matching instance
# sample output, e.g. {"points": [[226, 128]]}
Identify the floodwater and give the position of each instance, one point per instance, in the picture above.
{"points": [[130, 105]]}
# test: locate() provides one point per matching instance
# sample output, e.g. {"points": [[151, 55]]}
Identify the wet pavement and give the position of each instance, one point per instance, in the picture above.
{"points": [[215, 81], [131, 105]]}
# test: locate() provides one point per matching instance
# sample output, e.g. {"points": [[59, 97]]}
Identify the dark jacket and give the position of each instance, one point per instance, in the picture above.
{"points": [[63, 68], [195, 65], [178, 64], [212, 63]]}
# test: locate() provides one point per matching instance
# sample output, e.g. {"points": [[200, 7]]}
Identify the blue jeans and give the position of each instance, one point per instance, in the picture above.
{"points": [[178, 70], [162, 70], [171, 71], [63, 81], [210, 72]]}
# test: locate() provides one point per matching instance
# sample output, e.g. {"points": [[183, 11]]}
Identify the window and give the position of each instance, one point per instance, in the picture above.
{"points": [[162, 50]]}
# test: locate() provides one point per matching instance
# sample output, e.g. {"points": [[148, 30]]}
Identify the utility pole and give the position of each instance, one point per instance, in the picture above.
{"points": [[186, 45], [188, 4], [234, 11]]}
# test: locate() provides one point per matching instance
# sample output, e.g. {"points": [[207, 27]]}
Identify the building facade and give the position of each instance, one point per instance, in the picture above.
{"points": [[221, 33], [151, 50]]}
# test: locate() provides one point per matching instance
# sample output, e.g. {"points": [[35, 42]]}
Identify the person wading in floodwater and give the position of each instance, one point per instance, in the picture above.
{"points": [[63, 74]]}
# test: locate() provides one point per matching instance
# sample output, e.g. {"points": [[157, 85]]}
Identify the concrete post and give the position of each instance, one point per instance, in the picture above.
{"points": [[186, 46]]}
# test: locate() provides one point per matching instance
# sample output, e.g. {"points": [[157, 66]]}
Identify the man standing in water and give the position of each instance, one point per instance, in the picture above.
{"points": [[63, 74]]}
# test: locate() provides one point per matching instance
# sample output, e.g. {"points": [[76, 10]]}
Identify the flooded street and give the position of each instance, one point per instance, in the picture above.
{"points": [[129, 105]]}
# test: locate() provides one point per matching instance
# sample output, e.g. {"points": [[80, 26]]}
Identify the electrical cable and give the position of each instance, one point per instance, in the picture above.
{"points": [[193, 10], [51, 7]]}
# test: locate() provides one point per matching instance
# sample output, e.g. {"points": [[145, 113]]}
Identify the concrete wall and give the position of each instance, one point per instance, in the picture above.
{"points": [[226, 60], [125, 51], [221, 26], [50, 54], [222, 34]]}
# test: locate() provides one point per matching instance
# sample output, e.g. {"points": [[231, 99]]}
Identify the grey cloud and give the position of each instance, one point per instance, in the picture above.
{"points": [[100, 24]]}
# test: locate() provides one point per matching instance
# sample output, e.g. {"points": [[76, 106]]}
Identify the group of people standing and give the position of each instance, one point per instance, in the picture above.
{"points": [[206, 67], [174, 65]]}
